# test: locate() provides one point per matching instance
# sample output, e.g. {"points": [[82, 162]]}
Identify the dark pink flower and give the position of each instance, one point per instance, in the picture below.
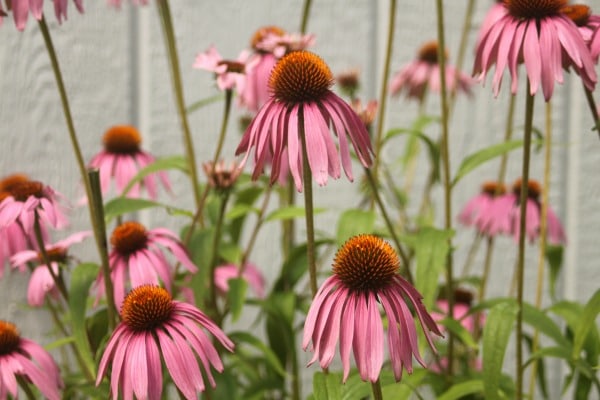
{"points": [[479, 210], [538, 34], [424, 74], [347, 309], [23, 361], [251, 274], [231, 74], [302, 104], [155, 327], [41, 282], [137, 259], [122, 159], [22, 8]]}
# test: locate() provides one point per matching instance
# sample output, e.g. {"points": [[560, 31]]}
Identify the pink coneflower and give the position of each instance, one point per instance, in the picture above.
{"points": [[29, 200], [496, 12], [424, 74], [367, 113], [479, 211], [582, 16], [251, 274], [41, 282], [538, 34], [461, 309], [230, 74], [136, 258], [153, 327], [595, 45], [22, 8], [302, 104], [122, 159], [221, 177], [23, 362], [347, 308]]}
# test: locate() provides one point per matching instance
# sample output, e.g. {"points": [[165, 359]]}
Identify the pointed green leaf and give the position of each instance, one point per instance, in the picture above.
{"points": [[459, 331], [586, 322], [463, 389], [123, 205], [554, 255], [542, 322], [204, 102], [236, 296], [353, 222], [290, 213], [327, 386], [244, 337], [161, 164], [498, 328]]}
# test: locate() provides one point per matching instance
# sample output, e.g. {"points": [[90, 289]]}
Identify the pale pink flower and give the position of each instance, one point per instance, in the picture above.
{"points": [[423, 74], [539, 35], [22, 8], [496, 12], [251, 274], [479, 210], [22, 361], [347, 309], [122, 159], [137, 259], [595, 45], [155, 327], [302, 104], [230, 74], [41, 282]]}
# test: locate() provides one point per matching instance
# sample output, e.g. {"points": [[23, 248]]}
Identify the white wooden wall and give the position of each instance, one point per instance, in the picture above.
{"points": [[116, 71]]}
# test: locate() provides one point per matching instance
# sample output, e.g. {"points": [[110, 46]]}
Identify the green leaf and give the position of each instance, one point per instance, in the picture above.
{"points": [[403, 390], [474, 160], [456, 328], [554, 255], [81, 280], [586, 322], [542, 322], [290, 213], [241, 210], [236, 296], [459, 390], [161, 164], [204, 102], [327, 386], [431, 248], [270, 357], [498, 328], [433, 148], [353, 222], [123, 205]]}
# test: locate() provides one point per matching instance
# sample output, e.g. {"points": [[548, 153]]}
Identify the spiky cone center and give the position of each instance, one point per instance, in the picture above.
{"points": [[529, 9], [146, 307], [129, 237], [9, 338], [534, 189], [299, 77], [493, 189], [122, 139], [578, 13], [23, 190], [366, 263], [262, 33], [233, 66], [10, 181], [429, 53], [56, 254]]}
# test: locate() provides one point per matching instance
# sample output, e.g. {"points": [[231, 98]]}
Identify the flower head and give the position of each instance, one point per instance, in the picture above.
{"points": [[251, 274], [24, 361], [424, 73], [302, 104], [22, 8], [538, 34], [41, 282], [136, 258], [582, 16], [122, 158], [221, 177], [347, 308], [231, 74], [461, 309], [479, 211], [155, 327]]}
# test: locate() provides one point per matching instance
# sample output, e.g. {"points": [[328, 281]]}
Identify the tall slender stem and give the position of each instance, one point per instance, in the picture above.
{"points": [[594, 110], [170, 42], [445, 153], [521, 258], [462, 48], [376, 389], [543, 239], [254, 234], [215, 258], [384, 88], [308, 209], [60, 284], [507, 136], [305, 16]]}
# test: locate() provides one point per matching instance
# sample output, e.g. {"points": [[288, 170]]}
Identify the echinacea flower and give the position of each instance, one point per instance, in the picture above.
{"points": [[24, 362], [221, 177], [537, 34], [137, 259], [423, 74], [231, 74], [29, 200], [349, 82], [22, 8], [582, 16], [347, 309], [479, 211], [41, 282], [302, 110], [156, 329], [367, 113], [495, 12], [122, 158], [461, 308], [251, 274]]}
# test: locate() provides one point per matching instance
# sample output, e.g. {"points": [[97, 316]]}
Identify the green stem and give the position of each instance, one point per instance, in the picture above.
{"points": [[215, 258], [254, 234], [592, 104], [100, 234], [471, 254], [376, 389], [305, 15], [507, 136], [308, 209], [288, 198], [384, 89], [445, 153], [23, 383], [170, 42], [543, 239], [60, 284], [521, 258], [462, 48], [389, 225]]}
